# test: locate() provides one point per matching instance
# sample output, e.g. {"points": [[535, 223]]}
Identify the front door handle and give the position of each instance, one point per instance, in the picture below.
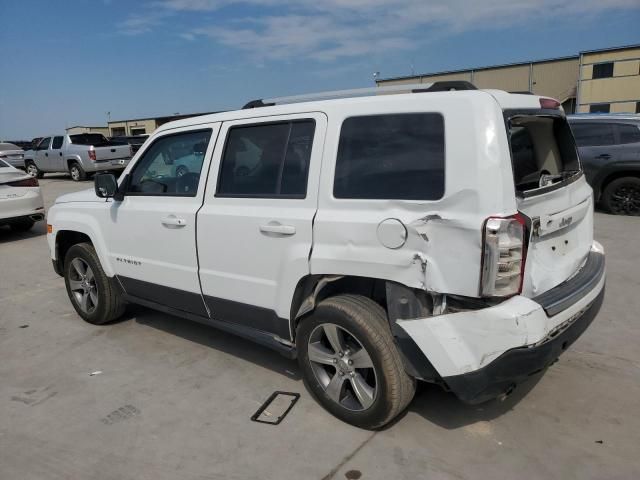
{"points": [[604, 156], [46, 154], [278, 228], [172, 221]]}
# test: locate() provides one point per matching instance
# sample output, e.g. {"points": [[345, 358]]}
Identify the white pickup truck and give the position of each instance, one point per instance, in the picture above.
{"points": [[79, 154], [444, 236]]}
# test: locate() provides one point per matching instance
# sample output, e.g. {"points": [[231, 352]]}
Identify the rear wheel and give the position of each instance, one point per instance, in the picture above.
{"points": [[22, 224], [350, 362], [33, 170], [622, 196], [77, 173], [91, 292]]}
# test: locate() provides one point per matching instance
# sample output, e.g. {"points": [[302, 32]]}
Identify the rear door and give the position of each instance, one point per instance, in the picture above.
{"points": [[596, 144], [552, 191], [255, 227]]}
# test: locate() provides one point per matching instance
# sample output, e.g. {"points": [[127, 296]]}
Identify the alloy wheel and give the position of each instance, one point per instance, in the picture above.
{"points": [[82, 284], [626, 200], [342, 366], [32, 170], [75, 173]]}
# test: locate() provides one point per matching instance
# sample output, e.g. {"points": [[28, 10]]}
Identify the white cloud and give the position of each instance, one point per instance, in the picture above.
{"points": [[328, 29], [139, 23]]}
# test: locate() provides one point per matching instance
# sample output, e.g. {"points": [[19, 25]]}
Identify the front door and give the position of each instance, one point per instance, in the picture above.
{"points": [[153, 230], [255, 227], [42, 155]]}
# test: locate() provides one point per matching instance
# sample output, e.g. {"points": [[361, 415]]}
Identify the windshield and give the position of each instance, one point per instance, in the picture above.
{"points": [[95, 139], [543, 151]]}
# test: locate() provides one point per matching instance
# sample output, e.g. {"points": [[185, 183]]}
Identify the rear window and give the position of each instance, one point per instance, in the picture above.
{"points": [[95, 139], [395, 157], [542, 151]]}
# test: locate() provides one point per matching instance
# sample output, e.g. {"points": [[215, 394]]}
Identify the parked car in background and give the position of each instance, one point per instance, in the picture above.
{"points": [[21, 203], [380, 240], [79, 154], [609, 148], [135, 141], [12, 154]]}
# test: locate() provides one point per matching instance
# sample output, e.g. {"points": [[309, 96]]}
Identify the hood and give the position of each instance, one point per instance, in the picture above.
{"points": [[88, 195]]}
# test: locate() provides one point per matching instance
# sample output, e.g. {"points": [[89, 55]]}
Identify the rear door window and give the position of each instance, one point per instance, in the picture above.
{"points": [[543, 151], [267, 160], [628, 133], [57, 143], [593, 134], [395, 157]]}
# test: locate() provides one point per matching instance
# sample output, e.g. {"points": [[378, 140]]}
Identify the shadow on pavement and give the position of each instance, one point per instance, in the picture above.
{"points": [[7, 235], [444, 408], [216, 339]]}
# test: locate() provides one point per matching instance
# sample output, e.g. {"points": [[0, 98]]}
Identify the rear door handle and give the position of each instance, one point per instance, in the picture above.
{"points": [[278, 228], [173, 221], [46, 154]]}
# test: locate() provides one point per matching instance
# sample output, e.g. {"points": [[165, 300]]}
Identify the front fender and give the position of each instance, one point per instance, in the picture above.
{"points": [[81, 219]]}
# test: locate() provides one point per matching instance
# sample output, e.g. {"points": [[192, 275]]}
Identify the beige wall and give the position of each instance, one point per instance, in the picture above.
{"points": [[611, 56], [621, 91], [556, 79], [103, 130], [149, 125], [510, 79]]}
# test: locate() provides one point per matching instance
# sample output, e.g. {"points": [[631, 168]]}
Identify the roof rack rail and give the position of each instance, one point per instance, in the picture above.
{"points": [[363, 92]]}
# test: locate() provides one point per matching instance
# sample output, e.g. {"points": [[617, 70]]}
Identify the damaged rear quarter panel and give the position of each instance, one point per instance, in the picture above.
{"points": [[442, 251]]}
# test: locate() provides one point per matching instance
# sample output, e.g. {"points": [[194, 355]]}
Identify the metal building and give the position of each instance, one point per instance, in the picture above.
{"points": [[596, 80]]}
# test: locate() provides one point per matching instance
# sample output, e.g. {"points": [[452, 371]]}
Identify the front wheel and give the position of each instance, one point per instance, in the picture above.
{"points": [[77, 173], [33, 170], [350, 362], [622, 196], [91, 292]]}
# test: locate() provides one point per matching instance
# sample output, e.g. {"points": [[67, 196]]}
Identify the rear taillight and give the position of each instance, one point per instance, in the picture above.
{"points": [[92, 155], [27, 182], [503, 256], [550, 103]]}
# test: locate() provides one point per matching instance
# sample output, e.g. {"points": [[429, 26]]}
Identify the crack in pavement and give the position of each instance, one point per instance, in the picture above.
{"points": [[348, 457]]}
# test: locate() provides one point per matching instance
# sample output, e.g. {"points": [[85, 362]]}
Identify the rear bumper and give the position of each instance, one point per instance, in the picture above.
{"points": [[30, 204], [515, 366], [480, 354], [107, 165]]}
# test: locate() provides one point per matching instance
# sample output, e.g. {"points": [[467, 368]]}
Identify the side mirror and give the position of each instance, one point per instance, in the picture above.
{"points": [[106, 185]]}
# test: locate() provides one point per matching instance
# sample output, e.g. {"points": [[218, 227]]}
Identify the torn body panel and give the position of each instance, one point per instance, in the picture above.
{"points": [[459, 343]]}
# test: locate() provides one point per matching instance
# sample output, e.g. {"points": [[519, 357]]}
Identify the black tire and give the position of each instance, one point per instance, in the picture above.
{"points": [[32, 169], [367, 322], [22, 224], [110, 304], [77, 172], [622, 196]]}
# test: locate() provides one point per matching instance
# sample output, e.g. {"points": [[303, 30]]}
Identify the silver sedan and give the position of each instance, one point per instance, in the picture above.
{"points": [[12, 154], [21, 203]]}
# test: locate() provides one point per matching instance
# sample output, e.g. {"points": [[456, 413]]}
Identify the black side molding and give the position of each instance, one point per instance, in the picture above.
{"points": [[566, 294]]}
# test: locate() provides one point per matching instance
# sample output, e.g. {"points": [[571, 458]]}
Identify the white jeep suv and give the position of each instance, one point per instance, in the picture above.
{"points": [[384, 237]]}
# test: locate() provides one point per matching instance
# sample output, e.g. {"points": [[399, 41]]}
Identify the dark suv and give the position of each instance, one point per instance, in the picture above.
{"points": [[609, 147]]}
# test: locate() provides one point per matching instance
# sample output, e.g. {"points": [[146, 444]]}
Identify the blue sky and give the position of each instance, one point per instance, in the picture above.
{"points": [[70, 62]]}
